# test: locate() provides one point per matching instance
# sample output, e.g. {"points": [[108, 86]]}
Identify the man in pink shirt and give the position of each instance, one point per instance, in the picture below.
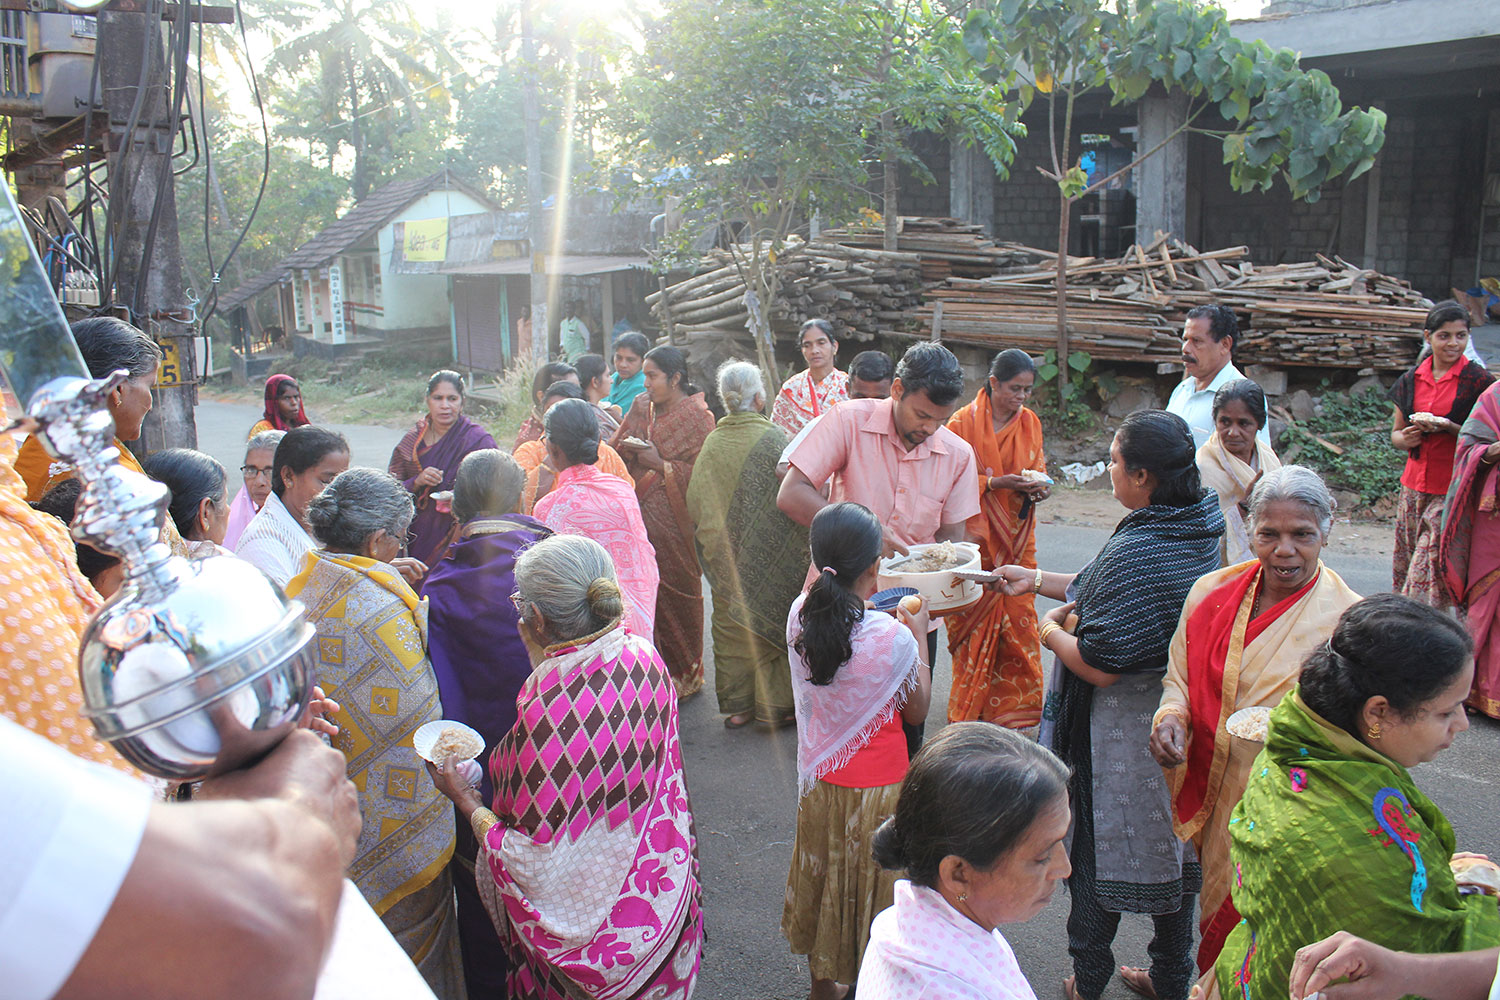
{"points": [[897, 457]]}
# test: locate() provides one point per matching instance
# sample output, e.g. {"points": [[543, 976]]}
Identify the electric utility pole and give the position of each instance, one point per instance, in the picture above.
{"points": [[141, 192]]}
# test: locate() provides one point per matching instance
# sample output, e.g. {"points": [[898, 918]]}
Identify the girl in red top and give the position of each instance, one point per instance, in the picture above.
{"points": [[1431, 401], [857, 674]]}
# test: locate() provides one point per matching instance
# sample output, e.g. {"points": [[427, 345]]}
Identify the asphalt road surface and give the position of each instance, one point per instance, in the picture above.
{"points": [[744, 784]]}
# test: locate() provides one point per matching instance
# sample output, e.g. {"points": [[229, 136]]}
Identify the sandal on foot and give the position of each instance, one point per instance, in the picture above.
{"points": [[1138, 981], [779, 721], [1070, 991], [739, 720]]}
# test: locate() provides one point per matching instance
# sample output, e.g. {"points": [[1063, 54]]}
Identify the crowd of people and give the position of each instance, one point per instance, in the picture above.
{"points": [[551, 597]]}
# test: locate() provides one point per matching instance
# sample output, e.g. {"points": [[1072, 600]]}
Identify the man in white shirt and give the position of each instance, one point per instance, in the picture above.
{"points": [[106, 892], [1207, 348]]}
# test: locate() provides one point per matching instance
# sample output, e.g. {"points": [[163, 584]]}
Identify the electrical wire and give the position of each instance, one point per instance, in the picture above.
{"points": [[211, 300]]}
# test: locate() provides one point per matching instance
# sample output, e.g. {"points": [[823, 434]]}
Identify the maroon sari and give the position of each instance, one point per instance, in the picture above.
{"points": [[432, 530], [678, 434]]}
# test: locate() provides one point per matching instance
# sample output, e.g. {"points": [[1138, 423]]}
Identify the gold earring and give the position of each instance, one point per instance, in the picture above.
{"points": [[963, 897], [1374, 732]]}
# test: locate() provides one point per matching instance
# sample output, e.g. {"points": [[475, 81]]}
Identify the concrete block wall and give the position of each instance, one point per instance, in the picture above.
{"points": [[917, 198], [1026, 204]]}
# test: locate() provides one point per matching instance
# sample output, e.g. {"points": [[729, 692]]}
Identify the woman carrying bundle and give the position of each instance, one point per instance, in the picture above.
{"points": [[857, 675]]}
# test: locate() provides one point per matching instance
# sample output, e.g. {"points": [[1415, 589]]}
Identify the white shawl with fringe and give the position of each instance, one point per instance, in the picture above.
{"points": [[835, 720]]}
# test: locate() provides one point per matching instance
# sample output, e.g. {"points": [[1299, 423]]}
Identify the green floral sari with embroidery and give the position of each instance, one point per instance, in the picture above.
{"points": [[1331, 836]]}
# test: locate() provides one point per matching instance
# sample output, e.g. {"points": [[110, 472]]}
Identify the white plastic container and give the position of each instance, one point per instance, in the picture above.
{"points": [[941, 590]]}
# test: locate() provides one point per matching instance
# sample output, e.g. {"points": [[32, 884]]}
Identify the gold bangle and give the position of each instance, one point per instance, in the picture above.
{"points": [[481, 822], [1048, 627], [1036, 588]]}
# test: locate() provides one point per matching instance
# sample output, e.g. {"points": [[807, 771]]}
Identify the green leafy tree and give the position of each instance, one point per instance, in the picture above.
{"points": [[376, 77], [1273, 118], [758, 115]]}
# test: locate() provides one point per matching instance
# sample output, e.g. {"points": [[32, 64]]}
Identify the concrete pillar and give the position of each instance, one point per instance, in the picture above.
{"points": [[971, 186], [1161, 180]]}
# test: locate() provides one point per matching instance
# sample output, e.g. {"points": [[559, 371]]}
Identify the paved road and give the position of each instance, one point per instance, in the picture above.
{"points": [[744, 785], [222, 428]]}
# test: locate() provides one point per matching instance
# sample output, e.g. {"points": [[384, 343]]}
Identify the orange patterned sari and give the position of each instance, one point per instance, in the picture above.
{"points": [[997, 662]]}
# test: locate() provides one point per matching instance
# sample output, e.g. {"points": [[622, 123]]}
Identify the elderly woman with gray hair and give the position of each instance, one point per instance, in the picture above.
{"points": [[372, 651], [1243, 635], [755, 557], [587, 857]]}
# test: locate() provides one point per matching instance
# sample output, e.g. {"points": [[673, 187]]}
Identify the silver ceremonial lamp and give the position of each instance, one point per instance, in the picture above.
{"points": [[194, 667]]}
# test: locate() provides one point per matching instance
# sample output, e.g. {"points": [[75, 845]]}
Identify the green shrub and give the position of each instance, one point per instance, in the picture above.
{"points": [[1360, 425]]}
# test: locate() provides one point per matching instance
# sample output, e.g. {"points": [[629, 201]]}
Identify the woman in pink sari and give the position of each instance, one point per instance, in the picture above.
{"points": [[1469, 544], [586, 501], [590, 870]]}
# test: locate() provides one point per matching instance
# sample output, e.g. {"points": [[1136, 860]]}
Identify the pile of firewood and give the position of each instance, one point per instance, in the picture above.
{"points": [[1325, 312], [862, 292], [947, 247]]}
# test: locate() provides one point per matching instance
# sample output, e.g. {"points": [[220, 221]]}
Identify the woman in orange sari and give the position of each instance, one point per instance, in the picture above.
{"points": [[531, 456], [1240, 643], [661, 437], [997, 662]]}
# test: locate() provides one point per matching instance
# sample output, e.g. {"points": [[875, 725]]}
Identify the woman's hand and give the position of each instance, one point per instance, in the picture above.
{"points": [[918, 621], [429, 476], [647, 455], [1014, 581], [451, 781], [1491, 454], [411, 569], [320, 708], [1060, 614], [1446, 426], [1407, 437], [1169, 742]]}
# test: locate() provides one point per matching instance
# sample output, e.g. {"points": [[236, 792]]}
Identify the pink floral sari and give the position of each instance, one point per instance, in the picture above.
{"points": [[593, 867]]}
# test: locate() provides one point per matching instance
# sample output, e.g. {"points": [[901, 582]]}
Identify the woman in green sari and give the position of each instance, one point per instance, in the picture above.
{"points": [[1332, 834], [754, 555]]}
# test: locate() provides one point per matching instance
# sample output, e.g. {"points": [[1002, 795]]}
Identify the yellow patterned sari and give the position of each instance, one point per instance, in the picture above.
{"points": [[372, 659]]}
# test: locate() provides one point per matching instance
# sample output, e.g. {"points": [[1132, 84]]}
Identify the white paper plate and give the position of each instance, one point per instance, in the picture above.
{"points": [[423, 739]]}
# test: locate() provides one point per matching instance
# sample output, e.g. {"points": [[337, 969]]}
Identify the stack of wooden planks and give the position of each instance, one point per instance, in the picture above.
{"points": [[862, 292], [1326, 312], [947, 247]]}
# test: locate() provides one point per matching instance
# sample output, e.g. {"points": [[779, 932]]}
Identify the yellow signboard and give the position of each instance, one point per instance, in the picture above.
{"points": [[426, 240], [171, 371]]}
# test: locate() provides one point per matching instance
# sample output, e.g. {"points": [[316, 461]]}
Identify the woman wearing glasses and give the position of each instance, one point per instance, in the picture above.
{"points": [[256, 472]]}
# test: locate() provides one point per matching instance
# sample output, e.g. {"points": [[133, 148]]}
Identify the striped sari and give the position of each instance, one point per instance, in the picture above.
{"points": [[372, 658]]}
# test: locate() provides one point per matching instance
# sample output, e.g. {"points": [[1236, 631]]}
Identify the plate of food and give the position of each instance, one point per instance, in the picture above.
{"points": [[1426, 421], [445, 740], [932, 569], [634, 442], [888, 599], [1249, 724], [1036, 476]]}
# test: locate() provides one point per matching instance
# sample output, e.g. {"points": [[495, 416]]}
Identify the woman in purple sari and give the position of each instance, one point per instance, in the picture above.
{"points": [[426, 462], [475, 645]]}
